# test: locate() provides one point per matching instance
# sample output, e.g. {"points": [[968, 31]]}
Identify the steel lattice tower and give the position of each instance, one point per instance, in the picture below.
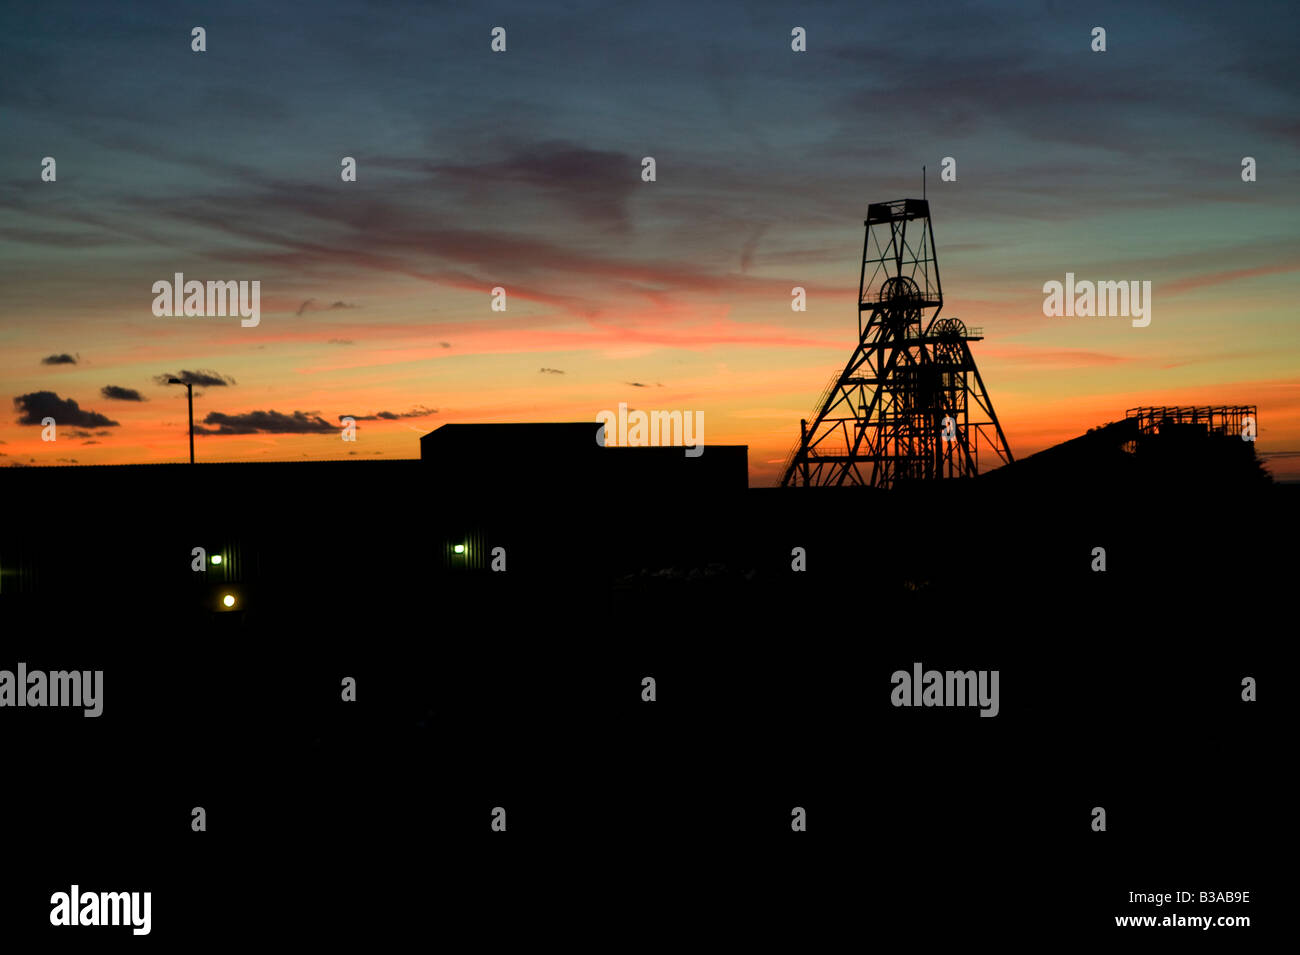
{"points": [[910, 404]]}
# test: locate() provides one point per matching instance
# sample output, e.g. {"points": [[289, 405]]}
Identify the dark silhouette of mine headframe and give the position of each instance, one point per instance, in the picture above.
{"points": [[910, 404]]}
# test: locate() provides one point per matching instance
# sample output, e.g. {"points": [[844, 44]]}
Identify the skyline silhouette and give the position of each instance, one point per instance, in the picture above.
{"points": [[376, 294]]}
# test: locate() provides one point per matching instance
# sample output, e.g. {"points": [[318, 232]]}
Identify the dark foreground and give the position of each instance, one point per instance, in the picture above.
{"points": [[631, 821]]}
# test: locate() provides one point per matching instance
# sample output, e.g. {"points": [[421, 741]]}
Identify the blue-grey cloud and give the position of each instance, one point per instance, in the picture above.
{"points": [[117, 393], [35, 406], [206, 378], [265, 422]]}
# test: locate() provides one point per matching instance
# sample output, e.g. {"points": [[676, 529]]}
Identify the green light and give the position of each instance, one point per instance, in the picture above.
{"points": [[216, 558], [228, 600], [459, 548]]}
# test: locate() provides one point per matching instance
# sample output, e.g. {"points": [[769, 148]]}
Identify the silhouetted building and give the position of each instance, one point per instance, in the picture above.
{"points": [[484, 457], [551, 497]]}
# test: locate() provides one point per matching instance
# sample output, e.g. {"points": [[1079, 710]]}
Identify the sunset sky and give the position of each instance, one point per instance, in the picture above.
{"points": [[522, 169]]}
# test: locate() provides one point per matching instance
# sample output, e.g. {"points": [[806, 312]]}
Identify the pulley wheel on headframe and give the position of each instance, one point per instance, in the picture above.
{"points": [[902, 300], [946, 336]]}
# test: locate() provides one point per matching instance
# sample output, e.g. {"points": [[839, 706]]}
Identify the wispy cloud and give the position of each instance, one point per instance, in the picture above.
{"points": [[311, 305], [417, 412]]}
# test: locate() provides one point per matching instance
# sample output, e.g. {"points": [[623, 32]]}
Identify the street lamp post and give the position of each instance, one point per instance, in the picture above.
{"points": [[189, 394]]}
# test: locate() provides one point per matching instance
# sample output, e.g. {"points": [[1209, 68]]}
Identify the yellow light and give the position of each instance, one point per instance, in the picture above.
{"points": [[459, 548], [228, 600], [216, 558]]}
